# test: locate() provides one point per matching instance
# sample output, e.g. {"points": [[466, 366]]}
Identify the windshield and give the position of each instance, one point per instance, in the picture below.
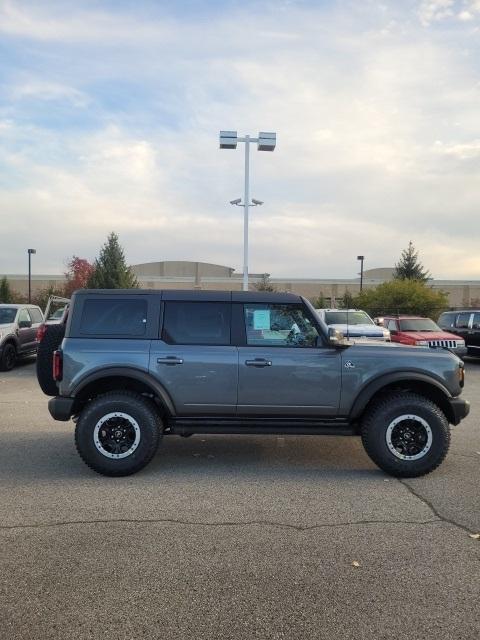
{"points": [[419, 324], [347, 317], [7, 315]]}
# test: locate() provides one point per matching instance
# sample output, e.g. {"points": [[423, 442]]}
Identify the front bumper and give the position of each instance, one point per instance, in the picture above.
{"points": [[460, 409], [461, 352], [61, 408]]}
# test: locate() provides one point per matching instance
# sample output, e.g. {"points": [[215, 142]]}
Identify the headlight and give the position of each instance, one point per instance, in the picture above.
{"points": [[460, 343], [421, 343]]}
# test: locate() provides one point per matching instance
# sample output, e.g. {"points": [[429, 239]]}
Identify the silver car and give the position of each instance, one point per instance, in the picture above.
{"points": [[18, 332]]}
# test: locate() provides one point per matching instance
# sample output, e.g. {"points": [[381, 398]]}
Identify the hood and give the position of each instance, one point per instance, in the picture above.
{"points": [[7, 328], [430, 335], [359, 330]]}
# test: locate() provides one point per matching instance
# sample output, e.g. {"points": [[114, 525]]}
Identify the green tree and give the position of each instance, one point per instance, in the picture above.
{"points": [[6, 294], [402, 296], [347, 301], [409, 267], [110, 271], [320, 302], [264, 284], [41, 297]]}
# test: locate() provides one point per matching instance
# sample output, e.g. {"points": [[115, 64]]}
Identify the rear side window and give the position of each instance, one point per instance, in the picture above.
{"points": [[35, 315], [114, 317], [197, 323], [462, 320]]}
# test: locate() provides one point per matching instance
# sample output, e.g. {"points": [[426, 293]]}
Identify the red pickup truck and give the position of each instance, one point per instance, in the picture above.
{"points": [[423, 332]]}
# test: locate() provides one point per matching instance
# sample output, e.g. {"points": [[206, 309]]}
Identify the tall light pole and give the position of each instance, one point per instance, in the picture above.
{"points": [[265, 142], [361, 258], [30, 251]]}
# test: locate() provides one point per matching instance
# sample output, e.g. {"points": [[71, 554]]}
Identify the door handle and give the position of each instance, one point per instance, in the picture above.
{"points": [[258, 362], [170, 360]]}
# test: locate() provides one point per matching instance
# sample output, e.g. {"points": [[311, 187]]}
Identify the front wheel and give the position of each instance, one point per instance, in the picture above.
{"points": [[118, 433], [405, 434], [9, 357]]}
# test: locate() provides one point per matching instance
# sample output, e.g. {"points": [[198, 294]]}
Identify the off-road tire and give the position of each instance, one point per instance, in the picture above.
{"points": [[51, 341], [9, 357], [382, 414], [143, 412]]}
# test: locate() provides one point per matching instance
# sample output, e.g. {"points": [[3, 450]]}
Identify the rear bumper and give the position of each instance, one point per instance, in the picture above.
{"points": [[61, 408], [460, 409]]}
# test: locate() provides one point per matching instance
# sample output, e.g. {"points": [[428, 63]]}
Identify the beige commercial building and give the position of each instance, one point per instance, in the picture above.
{"points": [[203, 275]]}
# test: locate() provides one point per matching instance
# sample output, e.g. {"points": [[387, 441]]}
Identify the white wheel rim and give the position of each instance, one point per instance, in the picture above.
{"points": [[106, 435], [417, 426]]}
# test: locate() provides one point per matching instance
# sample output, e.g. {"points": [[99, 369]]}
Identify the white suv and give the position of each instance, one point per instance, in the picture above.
{"points": [[353, 323]]}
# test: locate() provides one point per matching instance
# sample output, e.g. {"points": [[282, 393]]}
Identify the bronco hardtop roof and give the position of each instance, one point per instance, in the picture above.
{"points": [[190, 295]]}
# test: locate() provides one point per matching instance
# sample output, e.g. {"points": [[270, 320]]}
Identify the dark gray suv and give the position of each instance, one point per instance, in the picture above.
{"points": [[18, 332], [136, 365]]}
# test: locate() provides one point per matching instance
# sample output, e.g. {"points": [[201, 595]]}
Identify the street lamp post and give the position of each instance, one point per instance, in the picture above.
{"points": [[30, 251], [265, 142], [361, 258]]}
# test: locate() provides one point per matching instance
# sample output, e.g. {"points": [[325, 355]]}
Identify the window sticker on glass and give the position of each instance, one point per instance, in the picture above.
{"points": [[261, 319]]}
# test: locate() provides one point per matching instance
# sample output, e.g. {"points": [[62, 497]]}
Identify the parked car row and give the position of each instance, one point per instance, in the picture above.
{"points": [[458, 331]]}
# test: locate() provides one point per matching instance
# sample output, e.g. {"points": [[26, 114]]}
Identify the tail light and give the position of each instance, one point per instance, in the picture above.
{"points": [[57, 365], [461, 375], [41, 331]]}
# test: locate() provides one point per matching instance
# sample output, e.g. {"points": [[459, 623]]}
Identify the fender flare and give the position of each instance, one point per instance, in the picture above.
{"points": [[12, 337], [375, 385], [126, 372]]}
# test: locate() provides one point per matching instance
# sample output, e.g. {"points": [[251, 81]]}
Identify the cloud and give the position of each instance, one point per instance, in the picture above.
{"points": [[113, 124], [431, 11], [48, 91]]}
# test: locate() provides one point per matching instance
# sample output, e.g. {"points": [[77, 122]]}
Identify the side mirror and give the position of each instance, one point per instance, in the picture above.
{"points": [[25, 324], [335, 337]]}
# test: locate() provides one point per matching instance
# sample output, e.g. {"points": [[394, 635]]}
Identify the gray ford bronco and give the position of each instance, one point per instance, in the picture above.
{"points": [[136, 365]]}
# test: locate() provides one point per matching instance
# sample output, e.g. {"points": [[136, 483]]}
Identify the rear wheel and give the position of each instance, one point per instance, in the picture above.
{"points": [[406, 434], [9, 357], [118, 433]]}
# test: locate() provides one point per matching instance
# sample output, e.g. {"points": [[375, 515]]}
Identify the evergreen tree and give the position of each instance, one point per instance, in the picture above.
{"points": [[110, 271], [6, 294], [264, 284], [409, 267]]}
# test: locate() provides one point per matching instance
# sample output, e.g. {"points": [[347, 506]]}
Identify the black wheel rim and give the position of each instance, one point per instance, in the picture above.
{"points": [[409, 437], [116, 435]]}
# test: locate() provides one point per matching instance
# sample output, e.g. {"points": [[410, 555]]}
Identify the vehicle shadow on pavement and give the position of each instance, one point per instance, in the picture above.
{"points": [[43, 456]]}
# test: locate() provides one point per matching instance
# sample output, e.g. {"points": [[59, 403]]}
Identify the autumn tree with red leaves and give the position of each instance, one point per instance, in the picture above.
{"points": [[79, 271]]}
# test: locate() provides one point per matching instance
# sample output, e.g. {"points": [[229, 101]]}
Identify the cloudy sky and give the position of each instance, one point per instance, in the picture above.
{"points": [[110, 112]]}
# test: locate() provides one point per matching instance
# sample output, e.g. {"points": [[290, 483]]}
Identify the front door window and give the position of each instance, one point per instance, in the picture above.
{"points": [[277, 325]]}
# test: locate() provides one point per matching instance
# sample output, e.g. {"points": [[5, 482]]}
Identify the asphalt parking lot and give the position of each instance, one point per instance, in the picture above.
{"points": [[233, 537]]}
